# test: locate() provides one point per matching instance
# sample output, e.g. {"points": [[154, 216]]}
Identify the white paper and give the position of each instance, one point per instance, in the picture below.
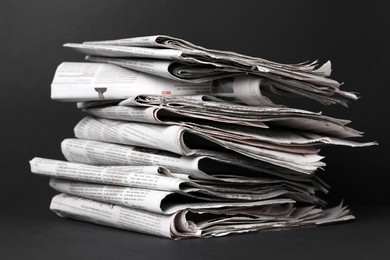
{"points": [[147, 177], [305, 79], [111, 215], [82, 81], [181, 225]]}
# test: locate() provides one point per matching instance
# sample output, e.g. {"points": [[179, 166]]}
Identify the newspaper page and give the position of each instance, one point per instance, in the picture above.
{"points": [[132, 176], [157, 201], [249, 115], [162, 114], [170, 69], [255, 137], [227, 84], [275, 138], [100, 153], [202, 73], [168, 42], [189, 224], [109, 130], [126, 51], [156, 178], [102, 213], [222, 168], [189, 195], [147, 177], [164, 41], [172, 139], [135, 134], [187, 56], [305, 79], [81, 81], [213, 167]]}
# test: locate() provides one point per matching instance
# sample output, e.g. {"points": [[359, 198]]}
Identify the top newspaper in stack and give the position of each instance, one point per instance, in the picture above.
{"points": [[180, 60]]}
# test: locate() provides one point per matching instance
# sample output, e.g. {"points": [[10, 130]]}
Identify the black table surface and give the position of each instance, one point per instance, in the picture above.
{"points": [[31, 234]]}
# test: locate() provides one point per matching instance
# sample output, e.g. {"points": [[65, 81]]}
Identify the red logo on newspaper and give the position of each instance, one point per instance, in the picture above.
{"points": [[166, 92]]}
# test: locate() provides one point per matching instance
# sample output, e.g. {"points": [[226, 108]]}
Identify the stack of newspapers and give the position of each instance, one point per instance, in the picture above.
{"points": [[181, 141]]}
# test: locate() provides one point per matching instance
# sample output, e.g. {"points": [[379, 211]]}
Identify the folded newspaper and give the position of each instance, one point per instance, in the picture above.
{"points": [[183, 61], [82, 81], [180, 141], [272, 215]]}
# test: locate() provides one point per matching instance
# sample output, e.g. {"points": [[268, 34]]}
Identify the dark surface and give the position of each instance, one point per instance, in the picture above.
{"points": [[354, 36], [48, 237]]}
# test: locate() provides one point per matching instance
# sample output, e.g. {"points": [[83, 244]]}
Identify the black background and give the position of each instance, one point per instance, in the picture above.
{"points": [[354, 36]]}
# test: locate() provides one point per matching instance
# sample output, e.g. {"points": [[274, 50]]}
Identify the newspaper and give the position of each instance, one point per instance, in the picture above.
{"points": [[163, 41], [288, 140], [171, 69], [147, 177], [215, 167], [157, 201], [81, 81], [305, 79], [150, 178], [178, 139], [192, 108], [269, 216], [199, 167]]}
